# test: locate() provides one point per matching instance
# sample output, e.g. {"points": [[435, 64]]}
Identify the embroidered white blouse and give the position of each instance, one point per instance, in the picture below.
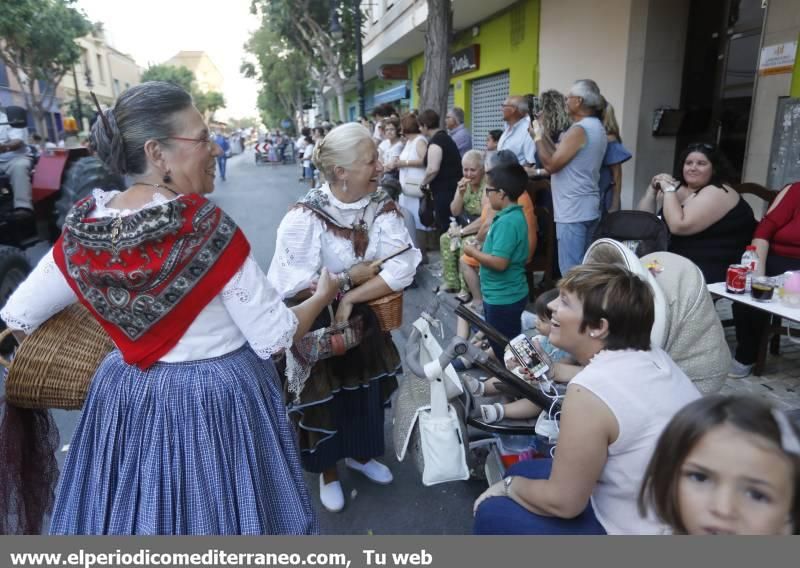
{"points": [[247, 310], [304, 247]]}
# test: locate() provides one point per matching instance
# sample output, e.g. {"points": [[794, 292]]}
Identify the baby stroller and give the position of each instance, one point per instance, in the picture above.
{"points": [[686, 326]]}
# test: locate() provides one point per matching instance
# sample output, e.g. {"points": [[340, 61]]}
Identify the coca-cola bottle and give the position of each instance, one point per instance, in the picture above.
{"points": [[750, 260]]}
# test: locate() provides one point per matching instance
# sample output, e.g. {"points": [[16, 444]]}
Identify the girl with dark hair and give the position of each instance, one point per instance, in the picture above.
{"points": [[184, 428], [725, 465], [709, 222]]}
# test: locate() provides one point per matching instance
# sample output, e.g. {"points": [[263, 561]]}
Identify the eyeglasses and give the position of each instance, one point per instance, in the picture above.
{"points": [[208, 139], [506, 105], [488, 189]]}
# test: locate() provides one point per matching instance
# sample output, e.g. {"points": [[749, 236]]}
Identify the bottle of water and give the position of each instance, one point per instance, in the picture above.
{"points": [[455, 241], [750, 260]]}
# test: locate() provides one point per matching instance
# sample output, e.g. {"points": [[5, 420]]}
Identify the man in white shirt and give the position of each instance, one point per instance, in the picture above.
{"points": [[515, 136], [15, 163]]}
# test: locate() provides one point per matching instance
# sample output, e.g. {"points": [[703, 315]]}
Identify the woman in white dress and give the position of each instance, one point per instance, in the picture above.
{"points": [[338, 403], [410, 165]]}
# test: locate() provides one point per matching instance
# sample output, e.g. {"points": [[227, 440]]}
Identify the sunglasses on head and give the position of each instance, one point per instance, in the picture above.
{"points": [[701, 145]]}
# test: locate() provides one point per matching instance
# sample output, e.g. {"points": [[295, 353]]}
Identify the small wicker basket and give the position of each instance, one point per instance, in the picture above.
{"points": [[53, 367], [389, 310]]}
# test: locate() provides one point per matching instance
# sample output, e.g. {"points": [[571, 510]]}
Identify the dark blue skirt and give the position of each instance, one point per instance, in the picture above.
{"points": [[202, 447]]}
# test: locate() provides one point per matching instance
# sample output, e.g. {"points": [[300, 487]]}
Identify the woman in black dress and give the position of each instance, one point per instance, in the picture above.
{"points": [[442, 166]]}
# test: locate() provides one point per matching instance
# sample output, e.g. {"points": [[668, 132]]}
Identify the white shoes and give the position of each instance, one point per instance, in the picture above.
{"points": [[492, 413], [374, 470], [331, 495], [739, 370]]}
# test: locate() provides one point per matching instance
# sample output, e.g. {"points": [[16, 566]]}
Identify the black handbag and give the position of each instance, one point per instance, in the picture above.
{"points": [[427, 207]]}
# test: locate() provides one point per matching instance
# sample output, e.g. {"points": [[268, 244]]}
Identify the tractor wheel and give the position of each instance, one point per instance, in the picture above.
{"points": [[14, 268], [80, 179]]}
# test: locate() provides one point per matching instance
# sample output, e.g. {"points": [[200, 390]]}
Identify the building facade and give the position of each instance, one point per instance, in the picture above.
{"points": [[206, 74], [676, 71], [103, 70]]}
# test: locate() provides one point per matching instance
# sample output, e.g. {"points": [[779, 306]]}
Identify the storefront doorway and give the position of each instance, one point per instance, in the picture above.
{"points": [[488, 95], [720, 69]]}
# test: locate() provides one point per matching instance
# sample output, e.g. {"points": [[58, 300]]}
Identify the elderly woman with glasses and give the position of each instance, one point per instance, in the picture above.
{"points": [[709, 221], [184, 429]]}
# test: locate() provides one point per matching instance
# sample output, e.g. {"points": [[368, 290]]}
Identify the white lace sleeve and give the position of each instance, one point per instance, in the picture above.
{"points": [[298, 255], [258, 311], [398, 273], [43, 294]]}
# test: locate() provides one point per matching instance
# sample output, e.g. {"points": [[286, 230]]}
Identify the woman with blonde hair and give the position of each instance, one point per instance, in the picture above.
{"points": [[343, 226], [611, 171], [466, 209]]}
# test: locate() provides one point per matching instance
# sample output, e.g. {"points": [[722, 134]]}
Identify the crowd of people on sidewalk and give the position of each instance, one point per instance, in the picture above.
{"points": [[227, 382]]}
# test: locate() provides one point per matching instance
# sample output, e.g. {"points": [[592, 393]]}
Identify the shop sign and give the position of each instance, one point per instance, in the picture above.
{"points": [[465, 60], [394, 71], [777, 58]]}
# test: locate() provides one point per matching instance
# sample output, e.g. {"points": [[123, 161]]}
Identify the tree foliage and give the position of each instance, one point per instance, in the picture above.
{"points": [[305, 26], [208, 103], [38, 46], [282, 72], [181, 76]]}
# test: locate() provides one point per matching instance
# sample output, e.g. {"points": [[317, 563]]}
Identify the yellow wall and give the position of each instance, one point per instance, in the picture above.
{"points": [[496, 54]]}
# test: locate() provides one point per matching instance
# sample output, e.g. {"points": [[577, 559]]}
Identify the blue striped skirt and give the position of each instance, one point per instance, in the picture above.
{"points": [[201, 447]]}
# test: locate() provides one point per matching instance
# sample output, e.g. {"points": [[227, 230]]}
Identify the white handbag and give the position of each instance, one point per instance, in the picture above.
{"points": [[443, 450], [412, 189], [434, 432]]}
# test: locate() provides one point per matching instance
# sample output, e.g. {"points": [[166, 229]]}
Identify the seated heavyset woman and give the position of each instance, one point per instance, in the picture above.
{"points": [[184, 429], [345, 225], [777, 242], [710, 224], [612, 415], [466, 209]]}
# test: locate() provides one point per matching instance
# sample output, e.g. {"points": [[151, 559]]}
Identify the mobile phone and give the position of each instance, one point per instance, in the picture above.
{"points": [[525, 351], [534, 106]]}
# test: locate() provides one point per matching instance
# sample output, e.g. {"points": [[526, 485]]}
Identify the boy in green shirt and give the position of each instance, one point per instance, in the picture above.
{"points": [[504, 254]]}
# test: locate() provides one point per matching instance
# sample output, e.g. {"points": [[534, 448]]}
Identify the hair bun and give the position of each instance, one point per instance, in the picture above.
{"points": [[108, 143]]}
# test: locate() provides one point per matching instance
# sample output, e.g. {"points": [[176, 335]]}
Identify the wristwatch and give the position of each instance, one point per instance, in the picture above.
{"points": [[345, 283], [507, 485], [669, 188]]}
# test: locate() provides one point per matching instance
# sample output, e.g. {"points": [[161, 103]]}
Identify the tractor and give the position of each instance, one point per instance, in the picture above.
{"points": [[60, 177]]}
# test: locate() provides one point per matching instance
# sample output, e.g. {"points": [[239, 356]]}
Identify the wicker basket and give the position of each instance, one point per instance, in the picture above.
{"points": [[389, 310], [53, 367]]}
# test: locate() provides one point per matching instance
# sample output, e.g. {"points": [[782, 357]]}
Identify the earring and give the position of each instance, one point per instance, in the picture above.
{"points": [[344, 186], [167, 177], [591, 334]]}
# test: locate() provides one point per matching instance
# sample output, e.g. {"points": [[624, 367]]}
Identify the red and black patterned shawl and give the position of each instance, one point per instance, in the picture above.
{"points": [[145, 277]]}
